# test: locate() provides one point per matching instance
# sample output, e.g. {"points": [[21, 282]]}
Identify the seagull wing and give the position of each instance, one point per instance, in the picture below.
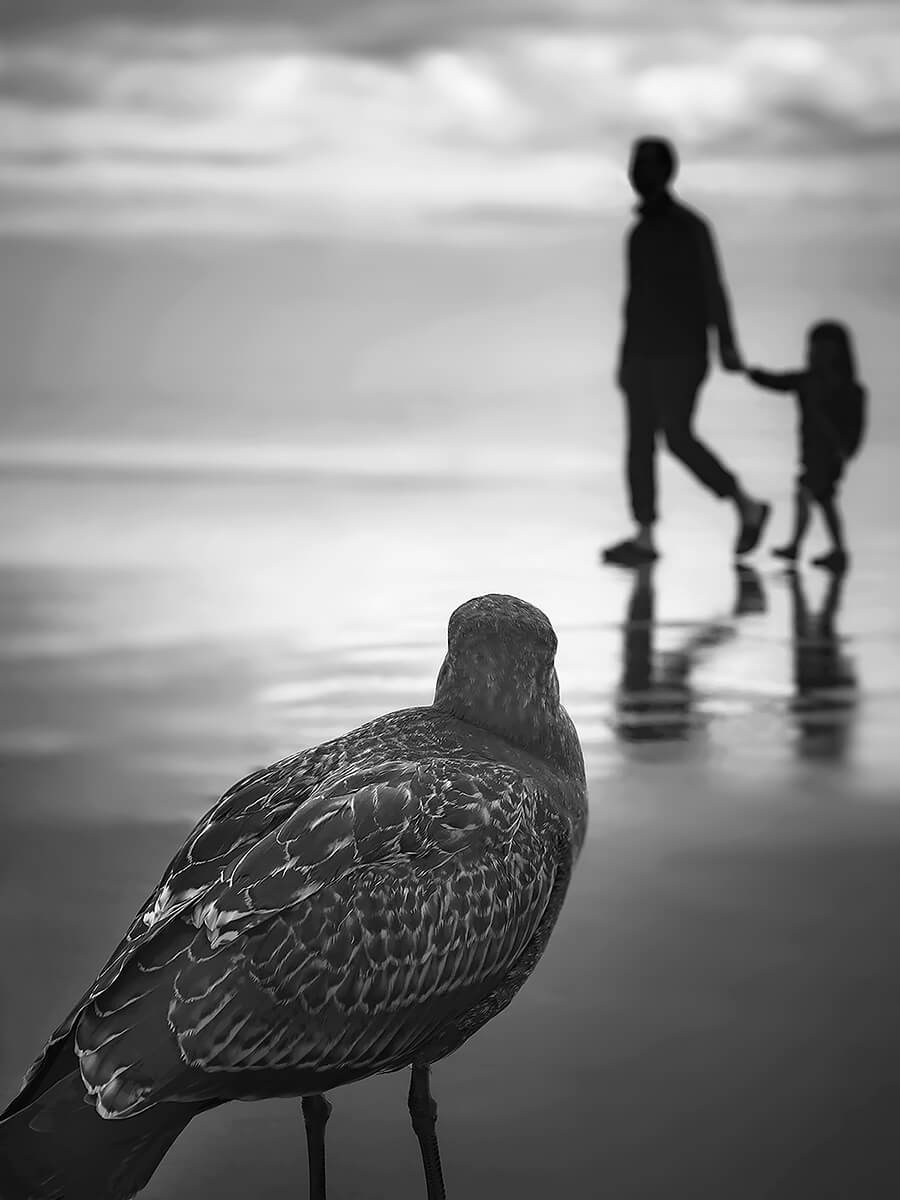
{"points": [[392, 902], [247, 812]]}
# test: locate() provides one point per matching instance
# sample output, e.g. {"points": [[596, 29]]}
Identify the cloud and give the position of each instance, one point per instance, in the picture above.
{"points": [[387, 26], [290, 126]]}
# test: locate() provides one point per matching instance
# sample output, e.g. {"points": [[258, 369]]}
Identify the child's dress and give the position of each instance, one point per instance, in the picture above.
{"points": [[831, 423]]}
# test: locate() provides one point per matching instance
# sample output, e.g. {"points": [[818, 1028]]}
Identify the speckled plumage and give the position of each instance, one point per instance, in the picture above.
{"points": [[357, 908]]}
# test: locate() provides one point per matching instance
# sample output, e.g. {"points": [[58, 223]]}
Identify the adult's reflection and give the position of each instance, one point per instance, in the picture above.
{"points": [[825, 695], [655, 701]]}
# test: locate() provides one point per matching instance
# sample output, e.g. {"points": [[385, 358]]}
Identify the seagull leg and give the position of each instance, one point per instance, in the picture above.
{"points": [[316, 1111], [423, 1111]]}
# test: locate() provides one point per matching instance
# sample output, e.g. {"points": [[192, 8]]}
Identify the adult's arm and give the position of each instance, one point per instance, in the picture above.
{"points": [[718, 308]]}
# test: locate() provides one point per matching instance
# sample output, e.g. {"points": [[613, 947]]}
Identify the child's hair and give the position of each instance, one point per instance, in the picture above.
{"points": [[836, 334]]}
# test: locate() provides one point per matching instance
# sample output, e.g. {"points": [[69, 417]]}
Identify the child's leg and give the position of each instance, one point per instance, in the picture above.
{"points": [[834, 523], [836, 558], [801, 524], [801, 515]]}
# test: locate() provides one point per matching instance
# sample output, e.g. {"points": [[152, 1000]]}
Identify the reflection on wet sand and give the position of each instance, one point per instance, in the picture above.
{"points": [[655, 700], [825, 699]]}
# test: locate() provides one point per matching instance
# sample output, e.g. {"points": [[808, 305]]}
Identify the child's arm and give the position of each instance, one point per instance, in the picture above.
{"points": [[775, 381]]}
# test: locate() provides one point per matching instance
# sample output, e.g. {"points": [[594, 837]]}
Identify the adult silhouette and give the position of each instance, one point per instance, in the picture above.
{"points": [[675, 292]]}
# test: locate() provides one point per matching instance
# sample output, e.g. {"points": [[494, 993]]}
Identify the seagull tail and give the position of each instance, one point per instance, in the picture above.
{"points": [[58, 1148]]}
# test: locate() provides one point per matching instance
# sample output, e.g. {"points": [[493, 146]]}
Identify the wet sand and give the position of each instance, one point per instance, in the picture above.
{"points": [[716, 1013]]}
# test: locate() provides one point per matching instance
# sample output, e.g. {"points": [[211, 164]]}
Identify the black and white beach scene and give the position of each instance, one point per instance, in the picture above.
{"points": [[449, 559]]}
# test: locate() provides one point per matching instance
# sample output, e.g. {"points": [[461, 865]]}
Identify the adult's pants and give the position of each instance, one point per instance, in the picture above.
{"points": [[661, 396]]}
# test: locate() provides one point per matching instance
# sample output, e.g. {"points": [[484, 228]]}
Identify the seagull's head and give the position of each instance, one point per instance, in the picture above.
{"points": [[499, 673]]}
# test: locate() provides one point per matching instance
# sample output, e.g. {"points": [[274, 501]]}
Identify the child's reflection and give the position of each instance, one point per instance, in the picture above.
{"points": [[655, 700], [825, 682]]}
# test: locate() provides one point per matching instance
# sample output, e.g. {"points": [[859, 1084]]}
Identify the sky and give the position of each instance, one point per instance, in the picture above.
{"points": [[381, 116]]}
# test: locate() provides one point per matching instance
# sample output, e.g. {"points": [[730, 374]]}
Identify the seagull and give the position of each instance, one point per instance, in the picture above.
{"points": [[363, 906]]}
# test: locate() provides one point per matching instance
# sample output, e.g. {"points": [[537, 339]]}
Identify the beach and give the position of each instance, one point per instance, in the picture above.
{"points": [[191, 588]]}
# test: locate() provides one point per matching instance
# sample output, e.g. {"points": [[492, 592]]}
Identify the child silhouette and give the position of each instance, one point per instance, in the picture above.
{"points": [[831, 405]]}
